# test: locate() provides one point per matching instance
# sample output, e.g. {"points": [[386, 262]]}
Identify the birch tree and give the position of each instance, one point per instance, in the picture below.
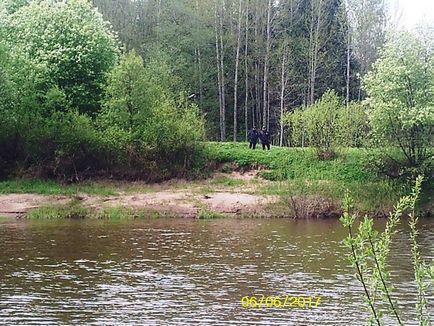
{"points": [[237, 59], [265, 120], [246, 72], [220, 78]]}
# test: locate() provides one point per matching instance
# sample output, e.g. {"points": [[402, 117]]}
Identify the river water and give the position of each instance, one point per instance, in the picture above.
{"points": [[188, 272]]}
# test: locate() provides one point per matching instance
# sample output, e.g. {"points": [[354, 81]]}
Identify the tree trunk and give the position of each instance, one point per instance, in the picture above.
{"points": [[158, 18], [282, 96], [222, 73], [347, 98], [315, 48], [266, 63], [246, 48], [237, 59], [199, 60], [219, 79], [257, 104]]}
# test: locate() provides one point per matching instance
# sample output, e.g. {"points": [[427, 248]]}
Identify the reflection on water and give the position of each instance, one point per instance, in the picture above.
{"points": [[186, 272]]}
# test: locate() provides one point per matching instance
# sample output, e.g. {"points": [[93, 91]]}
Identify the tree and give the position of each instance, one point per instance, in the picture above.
{"points": [[368, 31], [265, 106], [144, 110], [237, 59], [401, 98], [246, 73], [218, 27], [203, 40], [72, 40], [126, 90]]}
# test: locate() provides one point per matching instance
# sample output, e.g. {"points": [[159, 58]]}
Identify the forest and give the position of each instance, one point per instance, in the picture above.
{"points": [[133, 88]]}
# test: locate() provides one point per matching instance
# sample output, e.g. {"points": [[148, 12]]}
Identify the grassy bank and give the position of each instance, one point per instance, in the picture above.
{"points": [[293, 174], [75, 210], [298, 172]]}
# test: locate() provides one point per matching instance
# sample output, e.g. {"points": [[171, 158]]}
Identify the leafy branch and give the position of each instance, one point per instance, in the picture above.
{"points": [[369, 252]]}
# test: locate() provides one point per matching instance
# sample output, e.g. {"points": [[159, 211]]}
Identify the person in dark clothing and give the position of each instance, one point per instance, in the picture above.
{"points": [[265, 138], [253, 136]]}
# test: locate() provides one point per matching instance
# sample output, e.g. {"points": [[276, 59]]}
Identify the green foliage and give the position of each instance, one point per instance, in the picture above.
{"points": [[327, 124], [74, 43], [145, 129], [292, 163], [114, 213], [143, 118], [369, 253], [70, 145], [206, 214], [401, 99], [321, 122], [126, 93], [50, 187], [59, 211], [353, 127]]}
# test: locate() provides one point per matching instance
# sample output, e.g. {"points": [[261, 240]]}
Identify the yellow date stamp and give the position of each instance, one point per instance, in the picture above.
{"points": [[288, 301]]}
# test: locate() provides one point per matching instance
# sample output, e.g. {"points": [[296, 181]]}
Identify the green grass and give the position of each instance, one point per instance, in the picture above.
{"points": [[227, 181], [50, 187], [293, 172], [59, 211], [299, 172], [293, 163], [206, 214], [75, 210]]}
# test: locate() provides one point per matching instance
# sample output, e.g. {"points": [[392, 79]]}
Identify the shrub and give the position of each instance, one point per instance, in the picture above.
{"points": [[328, 124], [352, 126], [401, 99], [72, 40], [368, 254], [144, 123]]}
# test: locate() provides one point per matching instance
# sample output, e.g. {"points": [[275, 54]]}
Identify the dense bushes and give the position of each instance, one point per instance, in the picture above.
{"points": [[143, 120], [401, 101], [72, 40], [327, 124], [52, 123]]}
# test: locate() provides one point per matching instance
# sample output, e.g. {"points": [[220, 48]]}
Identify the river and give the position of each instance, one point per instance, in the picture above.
{"points": [[188, 272]]}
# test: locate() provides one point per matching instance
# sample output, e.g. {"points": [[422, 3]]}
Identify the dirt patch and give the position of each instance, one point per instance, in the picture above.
{"points": [[176, 203], [16, 205], [224, 202]]}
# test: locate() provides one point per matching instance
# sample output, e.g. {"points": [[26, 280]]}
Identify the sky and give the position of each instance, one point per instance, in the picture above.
{"points": [[409, 13]]}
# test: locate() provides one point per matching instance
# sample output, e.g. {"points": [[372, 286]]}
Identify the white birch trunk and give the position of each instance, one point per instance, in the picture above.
{"points": [[237, 59], [246, 50], [221, 112], [222, 74], [282, 97], [266, 63]]}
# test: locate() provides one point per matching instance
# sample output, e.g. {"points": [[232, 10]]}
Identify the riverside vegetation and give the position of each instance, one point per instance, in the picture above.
{"points": [[369, 251], [88, 109], [77, 106]]}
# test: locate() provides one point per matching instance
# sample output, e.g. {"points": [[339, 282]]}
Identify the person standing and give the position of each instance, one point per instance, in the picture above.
{"points": [[253, 136], [265, 138]]}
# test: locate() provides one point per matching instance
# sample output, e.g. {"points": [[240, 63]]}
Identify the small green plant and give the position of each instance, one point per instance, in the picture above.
{"points": [[72, 210], [115, 213], [206, 214], [227, 181], [369, 253]]}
